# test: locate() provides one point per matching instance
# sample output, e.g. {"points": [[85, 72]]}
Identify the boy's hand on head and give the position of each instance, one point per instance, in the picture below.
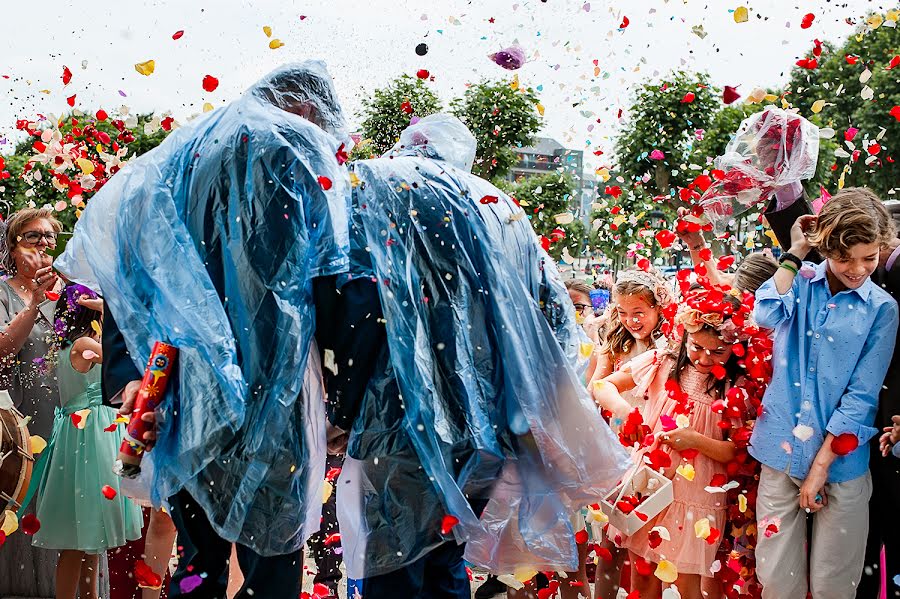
{"points": [[799, 242]]}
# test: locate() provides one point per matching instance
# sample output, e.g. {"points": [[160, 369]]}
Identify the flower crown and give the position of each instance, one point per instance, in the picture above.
{"points": [[651, 281], [708, 307]]}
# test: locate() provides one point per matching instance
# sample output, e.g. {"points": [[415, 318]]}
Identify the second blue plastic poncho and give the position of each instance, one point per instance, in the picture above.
{"points": [[475, 412]]}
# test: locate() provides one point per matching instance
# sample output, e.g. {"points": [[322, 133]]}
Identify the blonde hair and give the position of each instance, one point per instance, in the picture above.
{"points": [[618, 340], [754, 270], [851, 217], [15, 224]]}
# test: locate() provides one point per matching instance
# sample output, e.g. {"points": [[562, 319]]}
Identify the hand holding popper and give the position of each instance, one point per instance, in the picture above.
{"points": [[150, 394]]}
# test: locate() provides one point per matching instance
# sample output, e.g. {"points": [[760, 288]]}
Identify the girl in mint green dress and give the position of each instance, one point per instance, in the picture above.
{"points": [[79, 506]]}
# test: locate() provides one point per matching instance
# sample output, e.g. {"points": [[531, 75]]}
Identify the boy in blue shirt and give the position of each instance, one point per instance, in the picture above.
{"points": [[835, 332]]}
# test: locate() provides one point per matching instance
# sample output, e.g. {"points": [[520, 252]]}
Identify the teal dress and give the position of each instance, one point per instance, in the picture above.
{"points": [[71, 507]]}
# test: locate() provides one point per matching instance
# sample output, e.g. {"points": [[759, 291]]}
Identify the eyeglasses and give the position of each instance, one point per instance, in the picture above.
{"points": [[35, 237], [582, 308]]}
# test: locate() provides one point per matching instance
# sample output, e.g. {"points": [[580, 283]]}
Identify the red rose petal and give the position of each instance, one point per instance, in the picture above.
{"points": [[111, 428], [643, 264], [604, 554], [406, 107], [66, 76], [625, 22], [341, 155], [688, 98], [30, 524], [844, 443], [581, 537], [3, 539], [489, 200], [895, 61], [108, 492], [71, 100], [643, 567], [447, 523], [332, 474], [422, 74], [665, 238], [210, 83], [325, 182], [177, 35], [730, 95], [101, 115], [332, 539], [51, 295], [76, 419], [807, 21], [146, 578]]}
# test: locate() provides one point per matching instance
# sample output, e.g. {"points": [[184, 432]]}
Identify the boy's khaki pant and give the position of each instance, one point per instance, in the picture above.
{"points": [[838, 543]]}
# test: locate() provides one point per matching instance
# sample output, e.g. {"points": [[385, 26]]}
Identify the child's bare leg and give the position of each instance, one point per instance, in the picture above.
{"points": [[90, 575], [689, 586], [609, 574], [575, 585], [68, 573], [649, 587], [158, 547]]}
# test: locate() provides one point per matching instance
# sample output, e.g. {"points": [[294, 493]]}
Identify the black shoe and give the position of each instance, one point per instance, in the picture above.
{"points": [[491, 588]]}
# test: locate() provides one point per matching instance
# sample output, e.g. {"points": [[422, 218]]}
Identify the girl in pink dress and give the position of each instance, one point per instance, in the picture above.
{"points": [[688, 415]]}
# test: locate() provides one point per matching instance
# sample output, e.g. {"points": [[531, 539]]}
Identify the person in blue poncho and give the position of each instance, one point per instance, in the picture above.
{"points": [[215, 242], [469, 434]]}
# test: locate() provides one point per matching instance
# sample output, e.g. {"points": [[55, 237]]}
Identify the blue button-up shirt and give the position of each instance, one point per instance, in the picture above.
{"points": [[830, 357]]}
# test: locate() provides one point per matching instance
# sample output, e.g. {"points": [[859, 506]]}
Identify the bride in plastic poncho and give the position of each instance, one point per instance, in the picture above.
{"points": [[211, 242], [474, 410]]}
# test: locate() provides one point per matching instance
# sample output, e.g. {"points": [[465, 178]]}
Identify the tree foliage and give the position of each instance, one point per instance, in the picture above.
{"points": [[665, 117], [870, 157], [387, 112], [548, 200], [62, 164], [502, 117]]}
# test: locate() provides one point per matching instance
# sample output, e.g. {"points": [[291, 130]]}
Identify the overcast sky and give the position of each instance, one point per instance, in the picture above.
{"points": [[366, 43]]}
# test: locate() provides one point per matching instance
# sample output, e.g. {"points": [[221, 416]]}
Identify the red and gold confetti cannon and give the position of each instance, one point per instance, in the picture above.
{"points": [[152, 390]]}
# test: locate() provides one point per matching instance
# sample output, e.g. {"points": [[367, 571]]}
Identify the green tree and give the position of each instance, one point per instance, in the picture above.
{"points": [[502, 117], [32, 183], [387, 112], [837, 83], [663, 117], [548, 202]]}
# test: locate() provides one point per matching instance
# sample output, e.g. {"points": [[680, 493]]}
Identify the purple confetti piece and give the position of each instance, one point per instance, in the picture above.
{"points": [[123, 94], [190, 583], [807, 272], [511, 58]]}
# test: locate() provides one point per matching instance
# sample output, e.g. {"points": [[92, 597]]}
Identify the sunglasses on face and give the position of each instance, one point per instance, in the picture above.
{"points": [[35, 237], [582, 308]]}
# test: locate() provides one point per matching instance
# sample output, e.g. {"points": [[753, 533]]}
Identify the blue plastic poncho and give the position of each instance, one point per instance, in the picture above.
{"points": [[474, 409], [210, 242]]}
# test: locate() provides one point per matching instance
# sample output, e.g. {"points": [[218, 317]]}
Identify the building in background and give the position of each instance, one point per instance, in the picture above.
{"points": [[547, 156]]}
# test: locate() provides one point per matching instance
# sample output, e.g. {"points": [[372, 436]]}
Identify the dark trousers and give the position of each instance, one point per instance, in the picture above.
{"points": [[884, 527], [203, 561], [439, 575], [327, 557]]}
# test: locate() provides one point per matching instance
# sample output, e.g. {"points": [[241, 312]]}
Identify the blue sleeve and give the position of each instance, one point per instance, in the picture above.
{"points": [[773, 308], [856, 411]]}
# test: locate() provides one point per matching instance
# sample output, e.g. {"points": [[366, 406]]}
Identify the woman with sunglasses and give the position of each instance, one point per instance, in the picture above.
{"points": [[27, 370]]}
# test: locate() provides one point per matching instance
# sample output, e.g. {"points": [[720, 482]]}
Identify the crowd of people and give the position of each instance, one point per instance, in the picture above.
{"points": [[379, 358]]}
